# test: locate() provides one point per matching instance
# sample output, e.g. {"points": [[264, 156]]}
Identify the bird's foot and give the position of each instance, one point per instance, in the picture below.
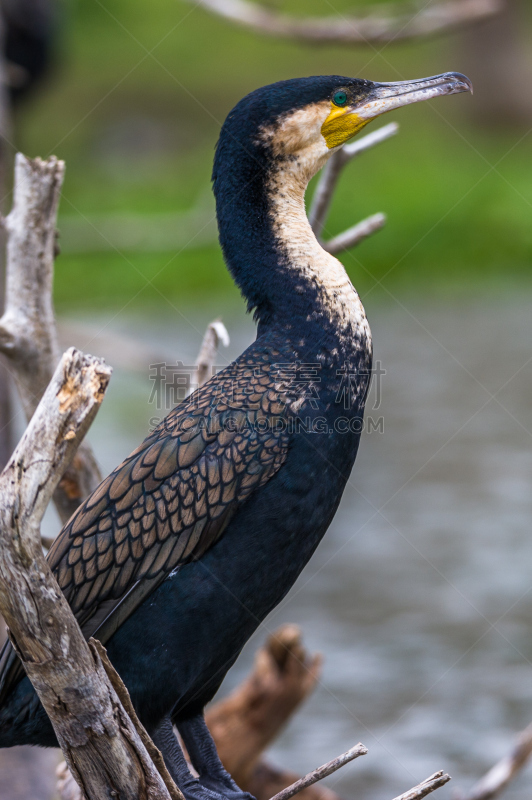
{"points": [[196, 790], [203, 755], [214, 782], [224, 786]]}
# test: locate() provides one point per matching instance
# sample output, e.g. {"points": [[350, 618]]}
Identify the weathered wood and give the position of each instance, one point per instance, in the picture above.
{"points": [[125, 699], [268, 780], [244, 724], [28, 336], [100, 742], [322, 772], [215, 335], [425, 787], [396, 22]]}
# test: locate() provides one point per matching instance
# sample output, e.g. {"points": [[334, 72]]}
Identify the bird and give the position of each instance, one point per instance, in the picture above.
{"points": [[183, 550]]}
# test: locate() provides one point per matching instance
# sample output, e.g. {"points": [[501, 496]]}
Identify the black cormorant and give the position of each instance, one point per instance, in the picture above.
{"points": [[185, 548]]}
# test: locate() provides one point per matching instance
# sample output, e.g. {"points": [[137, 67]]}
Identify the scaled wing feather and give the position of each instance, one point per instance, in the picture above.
{"points": [[165, 505]]}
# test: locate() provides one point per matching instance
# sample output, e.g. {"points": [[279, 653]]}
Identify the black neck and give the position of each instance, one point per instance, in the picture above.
{"points": [[287, 278], [245, 227]]}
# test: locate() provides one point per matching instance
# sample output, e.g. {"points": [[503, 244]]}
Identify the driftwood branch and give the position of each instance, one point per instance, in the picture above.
{"points": [[215, 335], [499, 776], [100, 742], [394, 23], [322, 772], [28, 336], [247, 721], [269, 780], [125, 699], [425, 787]]}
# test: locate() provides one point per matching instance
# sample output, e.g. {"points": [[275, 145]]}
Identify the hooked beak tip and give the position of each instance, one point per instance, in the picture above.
{"points": [[390, 96], [460, 80]]}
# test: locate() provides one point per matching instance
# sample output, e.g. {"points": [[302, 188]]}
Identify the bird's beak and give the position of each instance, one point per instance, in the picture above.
{"points": [[346, 121], [385, 97]]}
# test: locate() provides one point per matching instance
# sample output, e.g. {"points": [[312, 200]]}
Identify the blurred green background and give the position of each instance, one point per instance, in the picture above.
{"points": [[134, 105]]}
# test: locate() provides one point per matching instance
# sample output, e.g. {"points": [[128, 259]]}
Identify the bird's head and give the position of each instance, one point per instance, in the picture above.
{"points": [[271, 144], [307, 118]]}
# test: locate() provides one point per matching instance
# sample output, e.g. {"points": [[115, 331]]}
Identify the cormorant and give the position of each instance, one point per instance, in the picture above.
{"points": [[184, 549]]}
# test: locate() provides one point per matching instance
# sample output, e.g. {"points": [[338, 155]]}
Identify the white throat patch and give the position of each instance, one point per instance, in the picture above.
{"points": [[301, 151]]}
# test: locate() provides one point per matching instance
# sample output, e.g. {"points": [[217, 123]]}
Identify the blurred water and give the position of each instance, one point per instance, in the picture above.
{"points": [[420, 595]]}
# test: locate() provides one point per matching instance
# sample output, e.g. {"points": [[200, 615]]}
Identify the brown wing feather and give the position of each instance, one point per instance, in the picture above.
{"points": [[167, 503]]}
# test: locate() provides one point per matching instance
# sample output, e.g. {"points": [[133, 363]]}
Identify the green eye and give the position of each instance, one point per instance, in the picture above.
{"points": [[340, 99]]}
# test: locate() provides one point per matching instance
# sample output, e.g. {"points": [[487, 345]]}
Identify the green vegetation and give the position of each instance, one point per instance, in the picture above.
{"points": [[134, 108]]}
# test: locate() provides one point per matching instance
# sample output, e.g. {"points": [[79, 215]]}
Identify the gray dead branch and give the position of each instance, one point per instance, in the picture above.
{"points": [[28, 331], [353, 236], [322, 772], [393, 22], [28, 336], [327, 183], [100, 741], [215, 335], [425, 787]]}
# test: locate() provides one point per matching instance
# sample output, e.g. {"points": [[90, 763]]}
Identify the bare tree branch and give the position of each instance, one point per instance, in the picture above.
{"points": [[355, 235], [322, 772], [269, 780], [425, 787], [395, 22], [100, 742], [28, 335], [125, 699], [500, 775], [323, 196], [331, 172], [215, 335]]}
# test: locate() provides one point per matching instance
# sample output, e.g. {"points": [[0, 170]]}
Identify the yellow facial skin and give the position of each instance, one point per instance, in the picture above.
{"points": [[341, 125]]}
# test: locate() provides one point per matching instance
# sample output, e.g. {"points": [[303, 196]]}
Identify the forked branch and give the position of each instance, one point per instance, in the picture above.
{"points": [[394, 22], [328, 181], [28, 336], [99, 740], [425, 787]]}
